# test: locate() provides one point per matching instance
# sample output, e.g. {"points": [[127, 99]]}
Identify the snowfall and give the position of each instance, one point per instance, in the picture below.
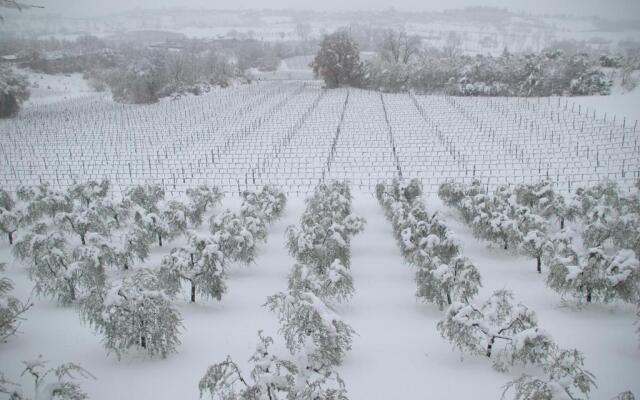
{"points": [[397, 352]]}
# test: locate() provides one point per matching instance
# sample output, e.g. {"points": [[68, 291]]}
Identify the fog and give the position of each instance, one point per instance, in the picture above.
{"points": [[627, 9]]}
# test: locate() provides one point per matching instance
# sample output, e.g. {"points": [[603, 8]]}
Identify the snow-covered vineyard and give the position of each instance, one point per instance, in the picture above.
{"points": [[282, 241], [295, 134]]}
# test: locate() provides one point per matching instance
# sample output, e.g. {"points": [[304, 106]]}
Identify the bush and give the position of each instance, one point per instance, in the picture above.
{"points": [[14, 90]]}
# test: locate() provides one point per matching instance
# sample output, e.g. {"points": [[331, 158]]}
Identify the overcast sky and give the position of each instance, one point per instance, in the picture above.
{"points": [[628, 9]]}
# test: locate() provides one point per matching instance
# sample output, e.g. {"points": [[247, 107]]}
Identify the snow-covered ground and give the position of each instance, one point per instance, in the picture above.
{"points": [[397, 352], [282, 133], [47, 89]]}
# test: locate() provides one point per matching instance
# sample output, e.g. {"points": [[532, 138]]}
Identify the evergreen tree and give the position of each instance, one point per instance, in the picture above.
{"points": [[58, 383], [338, 61], [200, 199], [597, 276], [476, 330], [442, 284], [332, 283], [56, 270], [201, 263], [236, 241], [305, 317], [12, 310], [563, 376], [536, 244], [134, 313]]}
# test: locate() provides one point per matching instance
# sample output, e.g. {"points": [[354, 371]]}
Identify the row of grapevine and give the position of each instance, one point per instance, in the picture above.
{"points": [[295, 135], [504, 331], [316, 337]]}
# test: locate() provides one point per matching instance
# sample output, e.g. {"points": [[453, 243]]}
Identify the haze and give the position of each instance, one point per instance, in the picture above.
{"points": [[626, 9]]}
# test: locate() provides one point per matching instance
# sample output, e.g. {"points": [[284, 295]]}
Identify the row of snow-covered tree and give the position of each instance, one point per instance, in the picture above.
{"points": [[504, 331], [592, 259], [443, 274], [316, 337], [82, 248]]}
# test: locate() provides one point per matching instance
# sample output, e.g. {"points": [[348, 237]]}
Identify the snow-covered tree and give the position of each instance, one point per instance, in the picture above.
{"points": [[200, 199], [442, 284], [164, 221], [269, 200], [332, 283], [200, 262], [626, 395], [272, 378], [236, 241], [89, 192], [597, 275], [57, 270], [118, 211], [134, 313], [81, 220], [536, 244], [563, 377], [338, 61], [44, 201], [477, 330], [59, 383], [12, 218], [14, 90], [305, 317], [11, 309], [146, 196]]}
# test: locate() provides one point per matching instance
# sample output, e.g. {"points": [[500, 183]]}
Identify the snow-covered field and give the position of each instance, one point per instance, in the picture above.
{"points": [[293, 134]]}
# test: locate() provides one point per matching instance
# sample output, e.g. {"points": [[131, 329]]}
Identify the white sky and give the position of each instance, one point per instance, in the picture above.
{"points": [[628, 9]]}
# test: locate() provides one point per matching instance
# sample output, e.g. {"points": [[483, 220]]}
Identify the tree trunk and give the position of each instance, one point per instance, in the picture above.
{"points": [[561, 222], [493, 339], [506, 244], [193, 292], [143, 342], [126, 266], [83, 239], [588, 295], [448, 298], [160, 240], [539, 263], [10, 234], [72, 290]]}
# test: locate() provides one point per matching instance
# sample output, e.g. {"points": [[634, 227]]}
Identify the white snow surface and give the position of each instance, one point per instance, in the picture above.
{"points": [[397, 352]]}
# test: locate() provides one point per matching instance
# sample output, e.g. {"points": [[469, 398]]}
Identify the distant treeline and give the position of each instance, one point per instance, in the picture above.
{"points": [[142, 73]]}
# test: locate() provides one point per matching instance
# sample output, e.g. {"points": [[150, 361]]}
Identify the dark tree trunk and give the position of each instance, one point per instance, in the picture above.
{"points": [[72, 290], [160, 240], [193, 292], [561, 222], [448, 298], [10, 234], [588, 295], [489, 347], [506, 244], [83, 239], [539, 263], [143, 342]]}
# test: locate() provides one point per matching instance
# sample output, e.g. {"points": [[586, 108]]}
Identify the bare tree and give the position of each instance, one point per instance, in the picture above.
{"points": [[16, 6], [398, 46], [452, 44]]}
